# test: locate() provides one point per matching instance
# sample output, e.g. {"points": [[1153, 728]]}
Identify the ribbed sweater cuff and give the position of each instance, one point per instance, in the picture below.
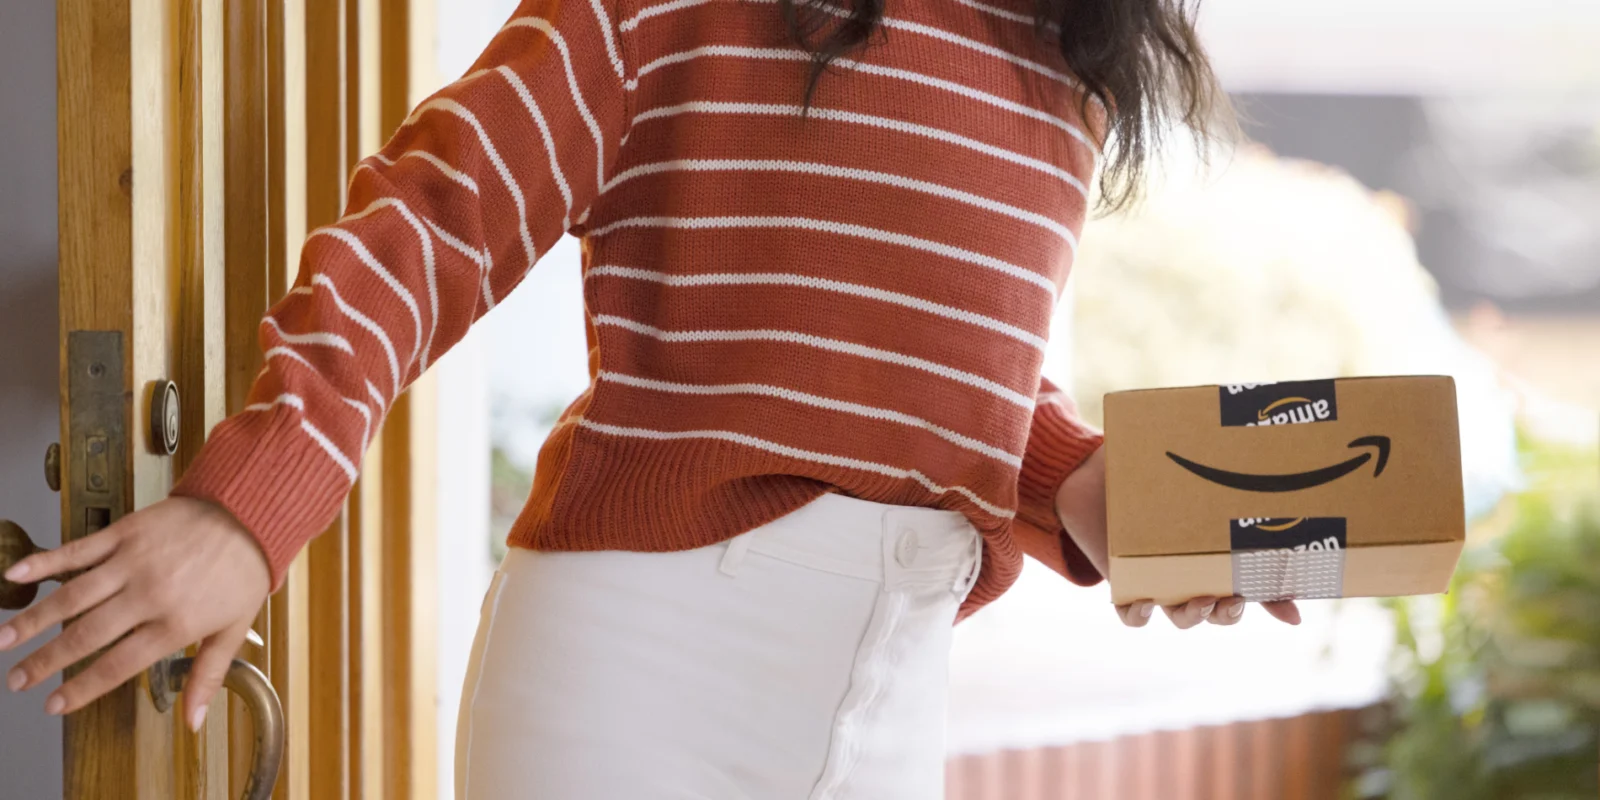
{"points": [[266, 471], [1057, 445]]}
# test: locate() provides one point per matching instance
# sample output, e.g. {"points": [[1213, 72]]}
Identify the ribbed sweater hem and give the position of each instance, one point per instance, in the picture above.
{"points": [[602, 493]]}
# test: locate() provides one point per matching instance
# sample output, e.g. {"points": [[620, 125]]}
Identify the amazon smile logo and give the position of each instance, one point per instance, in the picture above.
{"points": [[1293, 482], [1293, 410], [1288, 536], [1250, 405], [1274, 525]]}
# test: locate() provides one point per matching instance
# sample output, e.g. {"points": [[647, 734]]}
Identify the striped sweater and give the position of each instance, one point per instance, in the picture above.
{"points": [[780, 302]]}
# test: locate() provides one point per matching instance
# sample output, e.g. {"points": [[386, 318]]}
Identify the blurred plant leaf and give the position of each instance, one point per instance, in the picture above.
{"points": [[1504, 702]]}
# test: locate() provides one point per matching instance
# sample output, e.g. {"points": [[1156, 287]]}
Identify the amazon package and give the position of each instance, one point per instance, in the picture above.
{"points": [[1307, 489]]}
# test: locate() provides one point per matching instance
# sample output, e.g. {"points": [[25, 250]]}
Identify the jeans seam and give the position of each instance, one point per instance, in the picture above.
{"points": [[496, 589], [844, 751]]}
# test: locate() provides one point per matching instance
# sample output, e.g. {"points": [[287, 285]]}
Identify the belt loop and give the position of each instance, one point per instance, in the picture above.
{"points": [[893, 572], [969, 580], [737, 547]]}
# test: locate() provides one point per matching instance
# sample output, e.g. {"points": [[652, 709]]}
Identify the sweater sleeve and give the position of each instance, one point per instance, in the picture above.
{"points": [[440, 225], [1058, 442]]}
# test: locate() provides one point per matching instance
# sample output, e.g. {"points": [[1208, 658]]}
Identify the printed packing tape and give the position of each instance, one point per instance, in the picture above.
{"points": [[1288, 559], [1261, 576]]}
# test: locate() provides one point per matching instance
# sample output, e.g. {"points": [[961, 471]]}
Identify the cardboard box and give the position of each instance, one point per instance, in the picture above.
{"points": [[1307, 489]]}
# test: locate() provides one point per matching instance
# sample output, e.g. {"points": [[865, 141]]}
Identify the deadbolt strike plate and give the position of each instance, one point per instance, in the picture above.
{"points": [[97, 431]]}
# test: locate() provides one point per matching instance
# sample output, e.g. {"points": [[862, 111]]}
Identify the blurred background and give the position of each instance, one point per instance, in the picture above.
{"points": [[1420, 195]]}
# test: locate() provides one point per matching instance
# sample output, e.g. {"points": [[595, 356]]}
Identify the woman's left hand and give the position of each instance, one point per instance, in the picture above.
{"points": [[1081, 504], [175, 573]]}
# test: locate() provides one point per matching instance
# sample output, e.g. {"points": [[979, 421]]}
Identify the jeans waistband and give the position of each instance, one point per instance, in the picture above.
{"points": [[896, 545]]}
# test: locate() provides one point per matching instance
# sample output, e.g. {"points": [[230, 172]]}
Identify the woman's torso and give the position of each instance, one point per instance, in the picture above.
{"points": [[852, 299]]}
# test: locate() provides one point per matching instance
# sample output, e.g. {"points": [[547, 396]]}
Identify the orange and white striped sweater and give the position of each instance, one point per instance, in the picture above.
{"points": [[780, 304]]}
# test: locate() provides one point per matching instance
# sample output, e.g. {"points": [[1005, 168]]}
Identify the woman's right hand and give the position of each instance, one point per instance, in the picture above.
{"points": [[1081, 505], [1217, 611]]}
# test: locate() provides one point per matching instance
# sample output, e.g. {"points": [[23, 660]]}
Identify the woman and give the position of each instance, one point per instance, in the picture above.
{"points": [[822, 250]]}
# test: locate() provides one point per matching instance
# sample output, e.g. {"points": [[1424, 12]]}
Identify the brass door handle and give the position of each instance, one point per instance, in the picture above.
{"points": [[15, 546], [167, 679]]}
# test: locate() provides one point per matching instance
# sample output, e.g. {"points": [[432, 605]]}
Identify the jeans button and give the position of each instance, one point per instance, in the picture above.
{"points": [[905, 550]]}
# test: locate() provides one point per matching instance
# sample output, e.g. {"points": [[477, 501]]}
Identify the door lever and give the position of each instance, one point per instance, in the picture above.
{"points": [[167, 679]]}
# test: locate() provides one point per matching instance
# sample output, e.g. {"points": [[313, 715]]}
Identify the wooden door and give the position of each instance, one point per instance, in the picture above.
{"points": [[200, 141]]}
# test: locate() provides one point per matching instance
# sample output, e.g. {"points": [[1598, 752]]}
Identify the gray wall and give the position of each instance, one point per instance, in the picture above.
{"points": [[30, 741]]}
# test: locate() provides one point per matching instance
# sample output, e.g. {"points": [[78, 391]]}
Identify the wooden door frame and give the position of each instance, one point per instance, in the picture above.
{"points": [[118, 118], [339, 78], [186, 147]]}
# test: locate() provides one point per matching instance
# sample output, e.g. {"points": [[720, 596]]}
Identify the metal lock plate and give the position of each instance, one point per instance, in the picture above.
{"points": [[97, 431]]}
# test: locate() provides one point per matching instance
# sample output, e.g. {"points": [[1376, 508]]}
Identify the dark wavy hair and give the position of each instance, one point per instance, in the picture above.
{"points": [[1140, 58]]}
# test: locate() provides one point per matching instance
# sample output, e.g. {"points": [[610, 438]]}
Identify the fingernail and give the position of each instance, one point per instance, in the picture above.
{"points": [[16, 680], [1236, 610], [1147, 609], [1205, 613], [17, 572], [8, 636], [197, 719], [55, 705]]}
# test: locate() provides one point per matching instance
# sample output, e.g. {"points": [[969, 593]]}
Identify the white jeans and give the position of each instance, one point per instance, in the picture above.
{"points": [[805, 660]]}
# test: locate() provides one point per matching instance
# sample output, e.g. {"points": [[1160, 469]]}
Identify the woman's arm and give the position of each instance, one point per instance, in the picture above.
{"points": [[1059, 443], [442, 224]]}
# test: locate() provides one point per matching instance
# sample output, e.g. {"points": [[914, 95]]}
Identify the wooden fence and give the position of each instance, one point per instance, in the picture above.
{"points": [[1301, 758]]}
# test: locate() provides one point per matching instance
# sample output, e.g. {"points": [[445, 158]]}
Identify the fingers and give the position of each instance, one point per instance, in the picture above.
{"points": [[145, 646], [177, 575], [1136, 615], [1284, 611], [205, 677], [1192, 613], [1225, 611], [95, 630], [76, 554], [76, 597], [1228, 612]]}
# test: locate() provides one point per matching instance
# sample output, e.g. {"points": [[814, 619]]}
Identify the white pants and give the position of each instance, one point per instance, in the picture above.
{"points": [[805, 660]]}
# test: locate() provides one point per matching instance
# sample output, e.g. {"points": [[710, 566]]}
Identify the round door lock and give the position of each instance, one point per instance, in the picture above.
{"points": [[164, 418]]}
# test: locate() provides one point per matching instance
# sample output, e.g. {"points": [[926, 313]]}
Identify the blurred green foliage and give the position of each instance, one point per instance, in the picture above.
{"points": [[1497, 685], [516, 425], [509, 486]]}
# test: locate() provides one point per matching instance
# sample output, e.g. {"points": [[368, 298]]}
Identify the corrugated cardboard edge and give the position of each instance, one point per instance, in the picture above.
{"points": [[1370, 571], [1351, 379]]}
